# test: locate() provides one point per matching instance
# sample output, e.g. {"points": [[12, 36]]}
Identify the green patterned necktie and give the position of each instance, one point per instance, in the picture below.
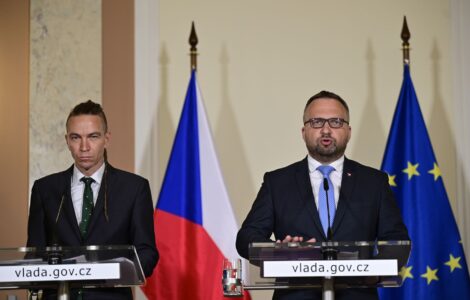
{"points": [[87, 206]]}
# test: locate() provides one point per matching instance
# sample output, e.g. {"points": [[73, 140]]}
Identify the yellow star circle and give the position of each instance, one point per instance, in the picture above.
{"points": [[405, 272], [453, 263], [435, 171], [430, 274], [411, 170]]}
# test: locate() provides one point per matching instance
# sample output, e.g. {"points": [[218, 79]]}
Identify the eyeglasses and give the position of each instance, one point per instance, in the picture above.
{"points": [[320, 122]]}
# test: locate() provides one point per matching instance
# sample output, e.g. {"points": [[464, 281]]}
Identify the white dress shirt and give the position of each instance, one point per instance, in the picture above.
{"points": [[316, 177], [77, 187]]}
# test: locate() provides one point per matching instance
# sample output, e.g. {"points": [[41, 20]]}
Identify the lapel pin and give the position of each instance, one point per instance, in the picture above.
{"points": [[349, 174]]}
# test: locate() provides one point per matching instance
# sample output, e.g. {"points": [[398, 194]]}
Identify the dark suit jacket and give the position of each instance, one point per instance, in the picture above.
{"points": [[129, 221], [285, 205]]}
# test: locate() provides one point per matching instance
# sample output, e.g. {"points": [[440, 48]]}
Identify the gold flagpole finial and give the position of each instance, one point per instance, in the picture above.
{"points": [[405, 36], [193, 51]]}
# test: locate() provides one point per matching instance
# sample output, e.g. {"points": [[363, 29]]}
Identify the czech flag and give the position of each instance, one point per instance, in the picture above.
{"points": [[195, 227]]}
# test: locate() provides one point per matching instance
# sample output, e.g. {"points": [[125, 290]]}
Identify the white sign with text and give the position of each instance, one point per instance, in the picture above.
{"points": [[322, 268]]}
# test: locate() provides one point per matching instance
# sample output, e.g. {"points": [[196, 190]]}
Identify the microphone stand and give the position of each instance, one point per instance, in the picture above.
{"points": [[55, 256]]}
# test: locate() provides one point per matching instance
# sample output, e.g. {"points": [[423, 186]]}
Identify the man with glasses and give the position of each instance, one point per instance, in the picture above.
{"points": [[325, 196]]}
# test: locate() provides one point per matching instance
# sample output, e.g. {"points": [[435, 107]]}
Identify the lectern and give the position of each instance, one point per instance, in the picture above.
{"points": [[324, 265], [63, 268]]}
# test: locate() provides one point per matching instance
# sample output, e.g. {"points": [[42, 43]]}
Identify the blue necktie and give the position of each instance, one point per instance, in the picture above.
{"points": [[322, 208]]}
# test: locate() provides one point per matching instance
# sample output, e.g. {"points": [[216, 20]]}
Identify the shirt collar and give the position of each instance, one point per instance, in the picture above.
{"points": [[313, 164], [97, 176]]}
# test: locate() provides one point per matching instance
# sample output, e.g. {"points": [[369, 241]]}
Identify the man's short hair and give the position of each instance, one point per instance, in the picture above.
{"points": [[330, 95], [89, 108]]}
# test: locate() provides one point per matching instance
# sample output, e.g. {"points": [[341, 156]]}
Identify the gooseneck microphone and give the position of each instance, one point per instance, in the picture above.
{"points": [[55, 241], [54, 255], [326, 187]]}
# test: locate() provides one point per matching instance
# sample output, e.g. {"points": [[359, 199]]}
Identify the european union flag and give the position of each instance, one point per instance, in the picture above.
{"points": [[437, 268]]}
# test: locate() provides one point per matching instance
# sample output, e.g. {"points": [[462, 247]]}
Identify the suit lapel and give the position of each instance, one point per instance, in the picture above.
{"points": [[347, 184], [306, 192], [68, 204]]}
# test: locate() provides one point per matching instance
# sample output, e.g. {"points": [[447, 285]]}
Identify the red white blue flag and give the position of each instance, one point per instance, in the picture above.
{"points": [[195, 226]]}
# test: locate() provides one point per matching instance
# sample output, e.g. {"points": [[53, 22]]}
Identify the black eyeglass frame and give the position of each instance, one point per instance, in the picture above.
{"points": [[331, 122]]}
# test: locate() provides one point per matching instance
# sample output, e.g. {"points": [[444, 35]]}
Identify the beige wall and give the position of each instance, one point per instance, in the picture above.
{"points": [[118, 79], [261, 60], [14, 54], [65, 69], [14, 58], [460, 12]]}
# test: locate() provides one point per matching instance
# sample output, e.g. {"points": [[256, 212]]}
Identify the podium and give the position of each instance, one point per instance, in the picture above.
{"points": [[323, 265], [64, 268]]}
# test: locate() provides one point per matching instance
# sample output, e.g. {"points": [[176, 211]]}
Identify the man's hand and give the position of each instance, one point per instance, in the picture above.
{"points": [[295, 239]]}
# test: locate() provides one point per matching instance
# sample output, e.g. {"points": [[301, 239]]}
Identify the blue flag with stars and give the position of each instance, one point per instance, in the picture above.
{"points": [[437, 268]]}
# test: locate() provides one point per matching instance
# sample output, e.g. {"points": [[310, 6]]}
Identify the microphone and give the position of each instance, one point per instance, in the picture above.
{"points": [[326, 186], [54, 255], [55, 236]]}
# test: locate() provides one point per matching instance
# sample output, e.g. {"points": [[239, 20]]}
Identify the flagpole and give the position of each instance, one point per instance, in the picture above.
{"points": [[193, 51], [405, 36]]}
